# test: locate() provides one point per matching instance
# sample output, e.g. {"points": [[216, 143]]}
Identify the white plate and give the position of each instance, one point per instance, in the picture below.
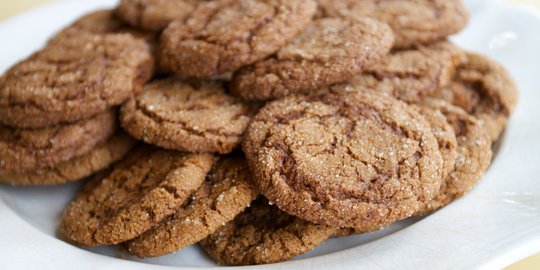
{"points": [[494, 225]]}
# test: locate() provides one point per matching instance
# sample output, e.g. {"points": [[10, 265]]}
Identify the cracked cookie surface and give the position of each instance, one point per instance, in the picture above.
{"points": [[328, 51], [473, 155], [225, 193], [74, 78], [411, 74], [346, 159], [78, 168], [484, 89], [135, 195], [264, 234], [154, 15], [222, 36], [27, 149], [413, 22], [188, 116]]}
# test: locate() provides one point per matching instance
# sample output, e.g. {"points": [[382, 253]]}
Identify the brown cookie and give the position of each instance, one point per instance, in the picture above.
{"points": [[222, 36], [411, 74], [263, 234], [473, 155], [73, 78], [28, 149], [104, 22], [347, 159], [445, 136], [96, 160], [413, 22], [154, 15], [146, 187], [187, 116], [329, 51], [484, 89], [226, 192]]}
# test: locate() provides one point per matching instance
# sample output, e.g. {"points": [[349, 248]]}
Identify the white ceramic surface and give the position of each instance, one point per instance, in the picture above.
{"points": [[494, 225]]}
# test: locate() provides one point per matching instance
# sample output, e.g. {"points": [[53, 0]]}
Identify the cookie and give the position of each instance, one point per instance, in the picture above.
{"points": [[104, 22], [473, 155], [73, 78], [445, 136], [154, 15], [223, 36], [413, 22], [146, 187], [329, 51], [226, 192], [27, 149], [263, 234], [75, 169], [484, 89], [187, 116], [411, 74], [347, 159]]}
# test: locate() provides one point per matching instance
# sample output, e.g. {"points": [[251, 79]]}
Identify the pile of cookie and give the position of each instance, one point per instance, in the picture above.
{"points": [[257, 128]]}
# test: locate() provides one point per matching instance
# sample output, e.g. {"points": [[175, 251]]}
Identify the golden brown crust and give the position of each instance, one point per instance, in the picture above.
{"points": [[187, 116], [226, 192], [28, 149], [139, 192], [263, 234], [413, 22], [328, 51], [348, 159], [96, 160], [74, 78], [222, 36]]}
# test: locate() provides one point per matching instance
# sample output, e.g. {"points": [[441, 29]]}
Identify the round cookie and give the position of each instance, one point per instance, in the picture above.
{"points": [[263, 234], [484, 89], [413, 22], [222, 36], [347, 159], [226, 192], [473, 155], [188, 116], [74, 78], [139, 192], [329, 51], [75, 169], [28, 149], [154, 15], [412, 74]]}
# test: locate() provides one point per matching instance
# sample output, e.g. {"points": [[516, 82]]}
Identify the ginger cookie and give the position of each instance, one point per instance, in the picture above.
{"points": [[226, 192], [223, 36], [74, 78], [345, 159], [28, 149], [263, 234], [75, 169], [484, 89], [139, 192], [413, 22], [329, 51], [187, 116], [445, 136], [154, 15], [411, 74], [473, 155]]}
